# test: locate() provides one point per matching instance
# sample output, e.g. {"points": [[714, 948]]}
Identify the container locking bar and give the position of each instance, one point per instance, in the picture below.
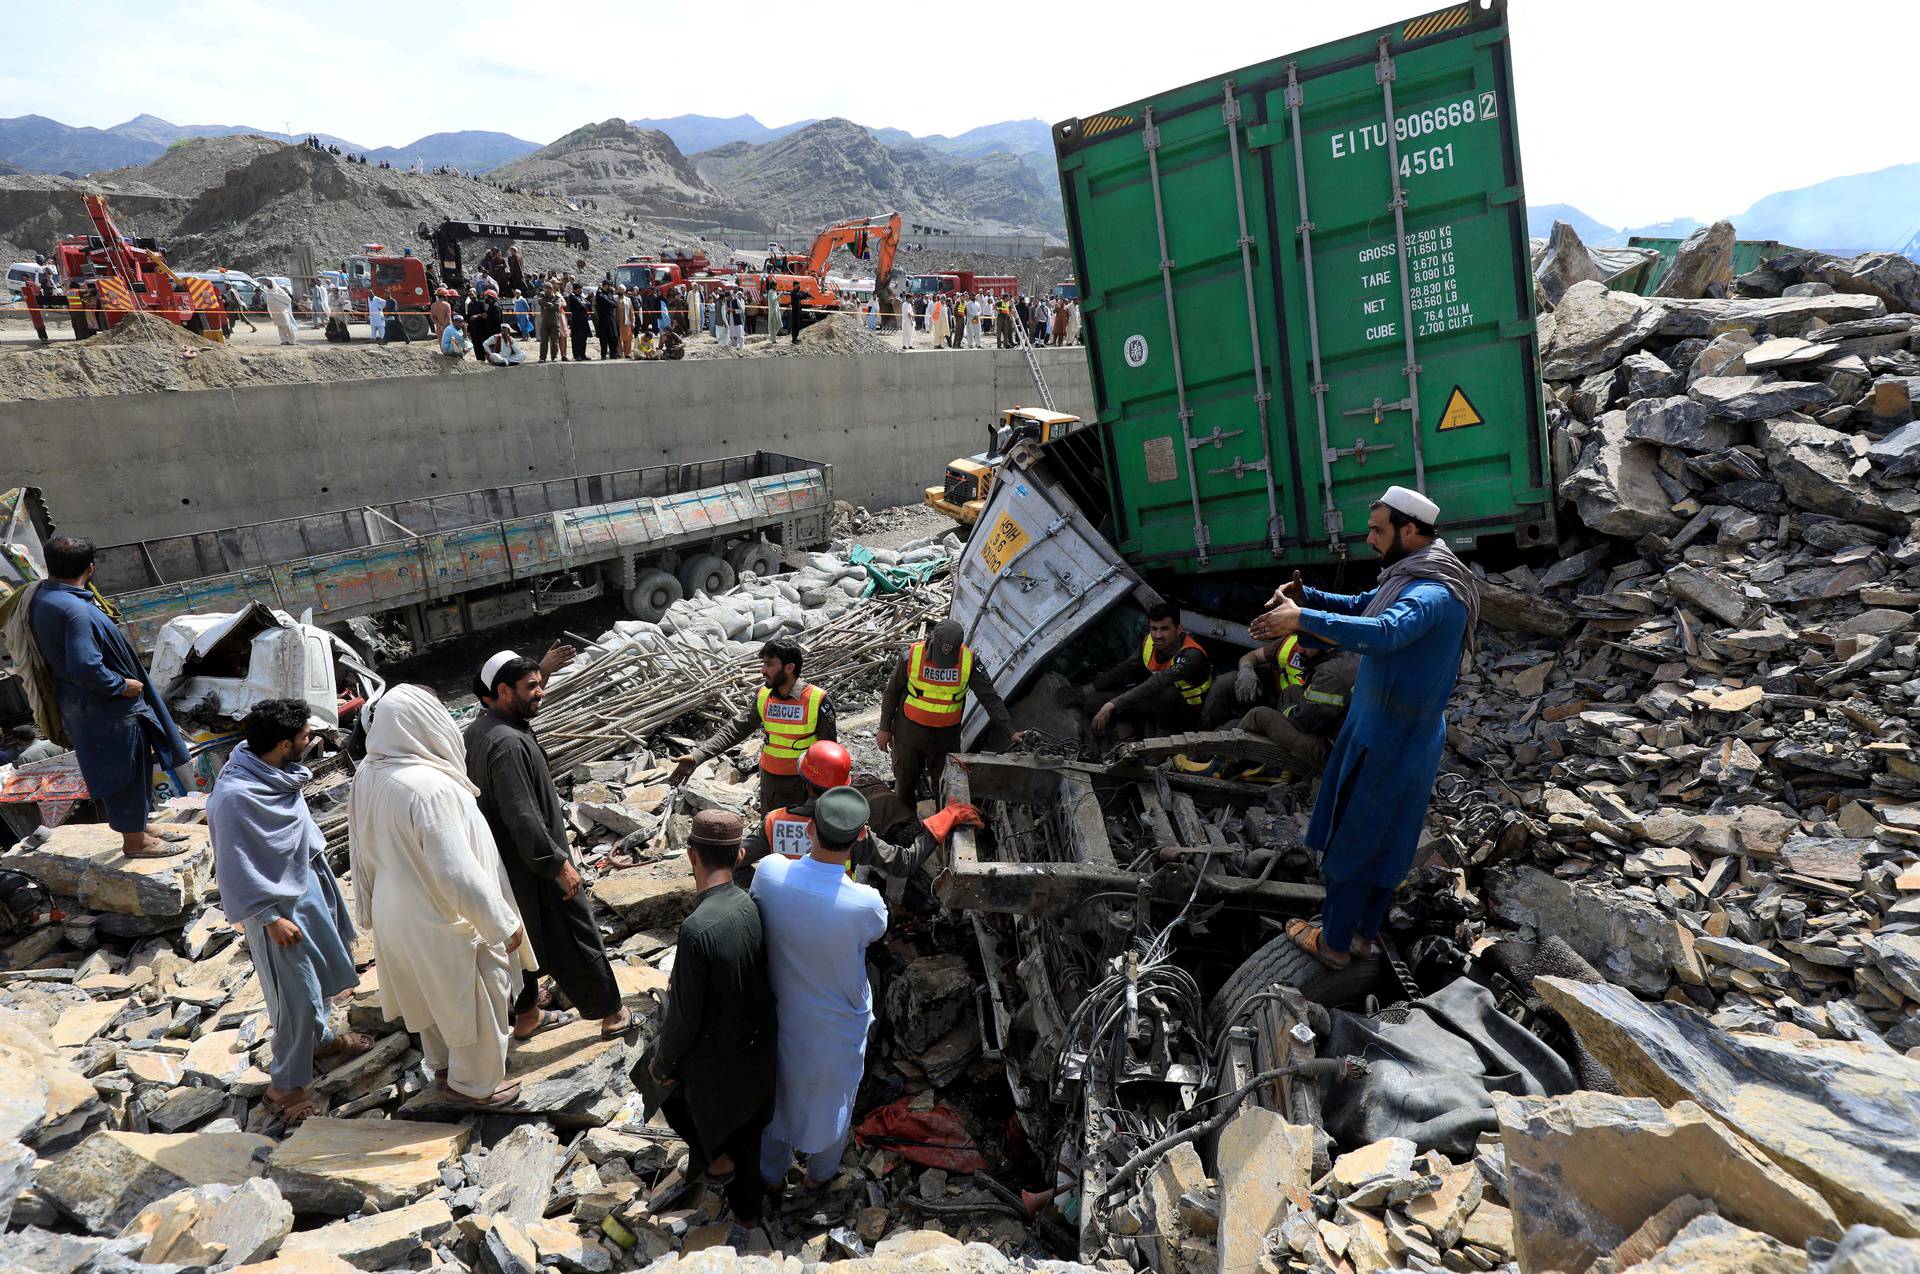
{"points": [[1150, 138], [1330, 511], [1230, 113], [1383, 73]]}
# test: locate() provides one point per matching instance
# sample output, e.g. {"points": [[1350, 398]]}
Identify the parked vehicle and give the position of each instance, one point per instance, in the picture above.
{"points": [[969, 480], [963, 281], [108, 275], [440, 568]]}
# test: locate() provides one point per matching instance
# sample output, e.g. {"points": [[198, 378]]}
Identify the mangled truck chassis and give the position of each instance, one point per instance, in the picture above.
{"points": [[1082, 886]]}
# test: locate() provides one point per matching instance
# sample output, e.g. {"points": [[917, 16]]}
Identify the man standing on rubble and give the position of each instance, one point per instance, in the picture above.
{"points": [[819, 924], [270, 860], [1409, 632], [102, 702], [524, 813], [1161, 689], [793, 714], [715, 1053], [925, 700]]}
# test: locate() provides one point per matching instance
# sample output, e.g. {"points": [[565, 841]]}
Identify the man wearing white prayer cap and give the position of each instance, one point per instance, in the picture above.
{"points": [[1409, 632], [529, 825]]}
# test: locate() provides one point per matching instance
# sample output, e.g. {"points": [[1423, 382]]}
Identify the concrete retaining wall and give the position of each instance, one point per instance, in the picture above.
{"points": [[143, 466]]}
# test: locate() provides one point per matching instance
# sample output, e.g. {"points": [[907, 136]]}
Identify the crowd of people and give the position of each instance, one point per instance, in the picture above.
{"points": [[961, 320], [462, 868]]}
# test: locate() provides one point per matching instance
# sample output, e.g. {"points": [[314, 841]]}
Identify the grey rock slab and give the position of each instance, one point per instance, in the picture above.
{"points": [[381, 1241], [1814, 466], [516, 1177], [1594, 328], [1703, 259], [1725, 355], [107, 1179], [1680, 422], [1844, 1118], [16, 1174], [1897, 957], [251, 1223], [1709, 591], [358, 1165], [1565, 263], [1756, 397], [1627, 940], [83, 860], [1648, 376], [1776, 315], [1616, 486]]}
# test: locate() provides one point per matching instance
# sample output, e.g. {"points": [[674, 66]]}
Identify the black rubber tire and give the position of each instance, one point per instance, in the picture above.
{"points": [[758, 556], [651, 595], [415, 325], [1280, 961], [706, 573]]}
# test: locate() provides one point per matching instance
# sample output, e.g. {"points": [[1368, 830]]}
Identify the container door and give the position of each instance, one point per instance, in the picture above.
{"points": [[1403, 270]]}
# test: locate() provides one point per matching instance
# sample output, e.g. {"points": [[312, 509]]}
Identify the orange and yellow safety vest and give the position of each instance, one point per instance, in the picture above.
{"points": [[935, 696], [790, 725], [1192, 694]]}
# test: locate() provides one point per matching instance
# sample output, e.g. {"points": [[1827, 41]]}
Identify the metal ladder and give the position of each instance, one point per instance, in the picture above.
{"points": [[1033, 364]]}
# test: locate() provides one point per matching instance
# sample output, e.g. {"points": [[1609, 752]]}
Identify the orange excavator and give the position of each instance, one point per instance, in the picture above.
{"points": [[868, 238], [107, 276]]}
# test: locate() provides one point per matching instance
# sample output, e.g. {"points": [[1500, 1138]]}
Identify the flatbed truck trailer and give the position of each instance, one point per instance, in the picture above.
{"points": [[450, 565]]}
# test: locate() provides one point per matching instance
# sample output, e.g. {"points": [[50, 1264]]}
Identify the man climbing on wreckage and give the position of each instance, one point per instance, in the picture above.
{"points": [[1409, 632]]}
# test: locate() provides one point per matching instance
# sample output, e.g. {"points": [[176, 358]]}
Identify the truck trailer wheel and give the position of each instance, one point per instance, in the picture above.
{"points": [[758, 556], [706, 574], [651, 595], [415, 326], [1281, 962]]}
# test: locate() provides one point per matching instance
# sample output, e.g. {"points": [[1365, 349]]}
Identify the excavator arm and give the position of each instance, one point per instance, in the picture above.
{"points": [[859, 234]]}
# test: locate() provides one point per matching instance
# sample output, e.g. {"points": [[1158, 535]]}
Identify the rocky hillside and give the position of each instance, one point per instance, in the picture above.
{"points": [[836, 169], [248, 202], [619, 166]]}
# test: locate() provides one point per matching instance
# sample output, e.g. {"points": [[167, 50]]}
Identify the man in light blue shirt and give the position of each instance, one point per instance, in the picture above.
{"points": [[819, 924], [453, 338]]}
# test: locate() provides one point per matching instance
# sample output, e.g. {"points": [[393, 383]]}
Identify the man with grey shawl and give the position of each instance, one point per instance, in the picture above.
{"points": [[1409, 632], [270, 860]]}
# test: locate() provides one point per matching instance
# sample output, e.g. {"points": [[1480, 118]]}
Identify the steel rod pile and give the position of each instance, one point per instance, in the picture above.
{"points": [[614, 703]]}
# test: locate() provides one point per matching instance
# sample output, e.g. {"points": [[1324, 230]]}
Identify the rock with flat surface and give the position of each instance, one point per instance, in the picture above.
{"points": [[1757, 397], [1565, 263], [1586, 1169], [655, 895], [1713, 1245], [1261, 1157], [1814, 466], [1679, 422], [1627, 940], [361, 1165], [37, 1087], [1703, 259], [107, 1179], [304, 1263], [377, 1242], [1777, 316], [83, 860], [516, 1177], [1614, 484], [1843, 1118], [1594, 328]]}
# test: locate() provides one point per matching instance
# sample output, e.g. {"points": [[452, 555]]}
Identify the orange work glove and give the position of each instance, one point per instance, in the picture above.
{"points": [[941, 823]]}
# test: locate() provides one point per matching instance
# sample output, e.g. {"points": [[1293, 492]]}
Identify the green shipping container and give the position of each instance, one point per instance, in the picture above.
{"points": [[1747, 255], [1263, 365]]}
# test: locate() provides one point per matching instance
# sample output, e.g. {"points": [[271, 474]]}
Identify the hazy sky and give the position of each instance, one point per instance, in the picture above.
{"points": [[1632, 110]]}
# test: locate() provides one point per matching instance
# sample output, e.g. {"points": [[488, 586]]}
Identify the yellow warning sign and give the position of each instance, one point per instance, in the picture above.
{"points": [[1004, 542], [1460, 414]]}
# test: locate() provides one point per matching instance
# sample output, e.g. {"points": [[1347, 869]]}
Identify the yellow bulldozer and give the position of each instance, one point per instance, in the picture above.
{"points": [[969, 480]]}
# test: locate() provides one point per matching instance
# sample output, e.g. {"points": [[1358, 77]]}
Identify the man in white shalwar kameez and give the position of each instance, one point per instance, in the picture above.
{"points": [[819, 924], [430, 885]]}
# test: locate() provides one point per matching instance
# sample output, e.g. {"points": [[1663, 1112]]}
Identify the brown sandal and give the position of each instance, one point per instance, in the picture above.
{"points": [[165, 847], [505, 1095], [1309, 938], [345, 1044], [296, 1107]]}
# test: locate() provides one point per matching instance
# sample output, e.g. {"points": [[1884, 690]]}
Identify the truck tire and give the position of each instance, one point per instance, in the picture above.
{"points": [[651, 595], [705, 573], [758, 556], [1281, 962], [415, 326]]}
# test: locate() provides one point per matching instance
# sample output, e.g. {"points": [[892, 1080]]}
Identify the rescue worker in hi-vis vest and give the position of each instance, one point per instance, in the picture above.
{"points": [[793, 714], [1160, 689], [926, 700], [1261, 680]]}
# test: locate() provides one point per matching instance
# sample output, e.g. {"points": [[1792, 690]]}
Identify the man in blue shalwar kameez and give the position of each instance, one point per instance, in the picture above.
{"points": [[1409, 632], [270, 860], [818, 924], [118, 726]]}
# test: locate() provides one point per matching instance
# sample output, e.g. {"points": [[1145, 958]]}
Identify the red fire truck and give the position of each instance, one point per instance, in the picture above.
{"points": [[964, 281]]}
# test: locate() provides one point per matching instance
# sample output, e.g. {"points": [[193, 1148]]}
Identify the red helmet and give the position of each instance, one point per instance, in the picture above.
{"points": [[827, 764]]}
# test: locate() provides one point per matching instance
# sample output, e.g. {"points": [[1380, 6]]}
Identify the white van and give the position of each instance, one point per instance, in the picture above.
{"points": [[17, 275], [241, 282]]}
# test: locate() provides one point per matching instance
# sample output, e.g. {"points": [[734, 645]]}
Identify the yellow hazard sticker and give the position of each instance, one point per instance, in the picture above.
{"points": [[1003, 543], [1460, 414]]}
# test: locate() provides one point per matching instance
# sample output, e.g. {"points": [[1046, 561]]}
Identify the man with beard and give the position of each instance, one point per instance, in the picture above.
{"points": [[578, 325], [792, 712], [523, 811], [1409, 632], [920, 713]]}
